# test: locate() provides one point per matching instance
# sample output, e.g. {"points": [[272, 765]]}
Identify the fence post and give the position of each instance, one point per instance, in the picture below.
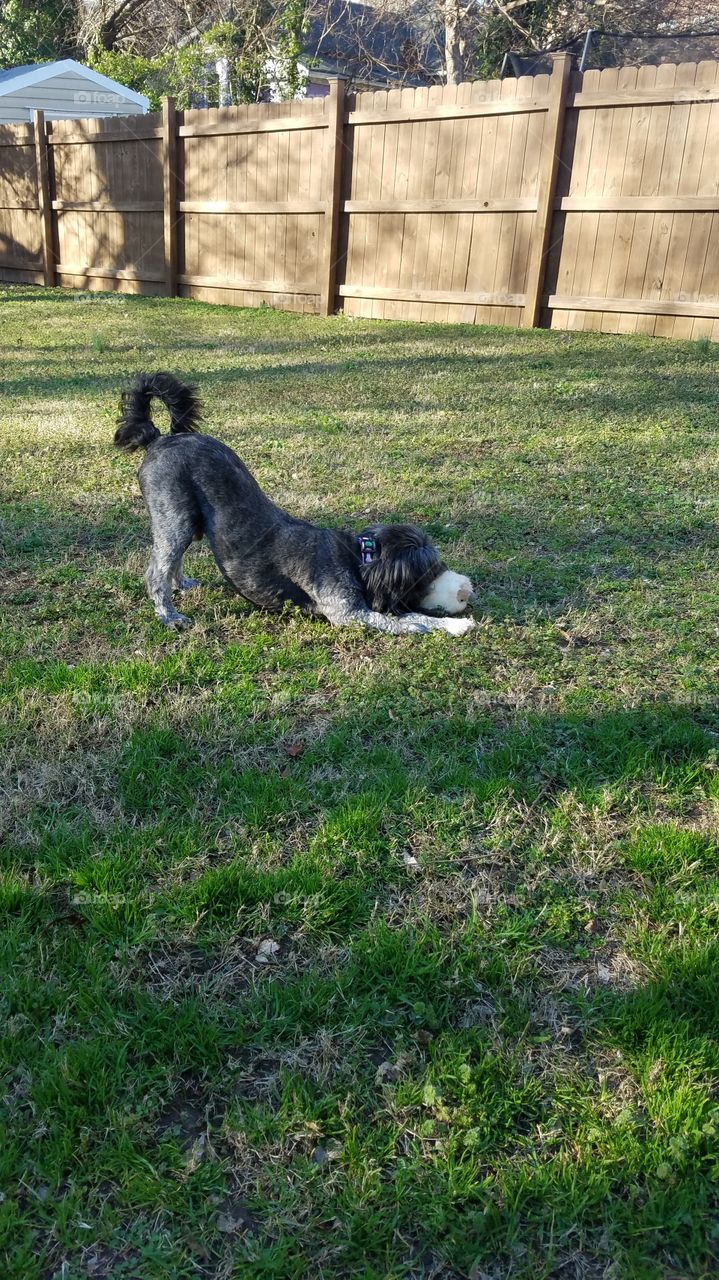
{"points": [[169, 192], [548, 170], [44, 197], [333, 179]]}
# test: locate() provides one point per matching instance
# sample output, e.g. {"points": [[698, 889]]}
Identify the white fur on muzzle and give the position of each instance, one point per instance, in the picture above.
{"points": [[449, 593]]}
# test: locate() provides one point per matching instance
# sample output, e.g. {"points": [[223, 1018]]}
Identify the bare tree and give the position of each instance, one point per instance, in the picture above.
{"points": [[383, 41], [148, 27], [399, 40], [453, 60]]}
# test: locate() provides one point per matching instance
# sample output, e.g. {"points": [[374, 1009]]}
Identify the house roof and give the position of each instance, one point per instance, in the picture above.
{"points": [[15, 79], [12, 73]]}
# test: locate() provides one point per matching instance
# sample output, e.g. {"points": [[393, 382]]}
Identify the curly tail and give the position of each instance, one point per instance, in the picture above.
{"points": [[136, 429]]}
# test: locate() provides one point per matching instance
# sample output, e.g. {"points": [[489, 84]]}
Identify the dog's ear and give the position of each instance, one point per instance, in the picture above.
{"points": [[405, 565]]}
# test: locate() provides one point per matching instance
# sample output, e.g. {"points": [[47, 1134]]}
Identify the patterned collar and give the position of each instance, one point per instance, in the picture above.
{"points": [[367, 549]]}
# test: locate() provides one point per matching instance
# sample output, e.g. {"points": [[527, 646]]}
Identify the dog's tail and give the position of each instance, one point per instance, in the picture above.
{"points": [[136, 429]]}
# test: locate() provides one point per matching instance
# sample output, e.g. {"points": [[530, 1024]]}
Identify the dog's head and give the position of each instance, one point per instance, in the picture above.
{"points": [[406, 573]]}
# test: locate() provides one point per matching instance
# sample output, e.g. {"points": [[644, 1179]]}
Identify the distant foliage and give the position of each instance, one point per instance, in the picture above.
{"points": [[189, 74], [31, 31], [144, 75], [252, 58], [290, 76]]}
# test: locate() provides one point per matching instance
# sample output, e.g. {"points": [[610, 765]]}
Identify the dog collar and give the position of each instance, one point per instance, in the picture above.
{"points": [[367, 549]]}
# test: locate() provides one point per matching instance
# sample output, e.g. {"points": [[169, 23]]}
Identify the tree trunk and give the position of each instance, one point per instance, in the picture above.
{"points": [[222, 66], [452, 42]]}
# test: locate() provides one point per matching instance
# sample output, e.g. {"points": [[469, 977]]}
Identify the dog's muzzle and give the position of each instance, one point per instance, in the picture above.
{"points": [[450, 593]]}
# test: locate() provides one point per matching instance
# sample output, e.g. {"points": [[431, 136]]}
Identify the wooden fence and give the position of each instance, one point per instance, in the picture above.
{"points": [[566, 200]]}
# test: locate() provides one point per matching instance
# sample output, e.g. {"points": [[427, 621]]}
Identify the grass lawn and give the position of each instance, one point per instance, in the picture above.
{"points": [[332, 954]]}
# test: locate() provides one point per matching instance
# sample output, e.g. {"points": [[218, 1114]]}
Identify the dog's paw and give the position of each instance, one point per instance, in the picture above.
{"points": [[458, 626], [416, 629], [186, 584], [178, 621]]}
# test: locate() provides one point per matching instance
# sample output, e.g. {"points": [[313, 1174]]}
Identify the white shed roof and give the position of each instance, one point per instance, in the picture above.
{"points": [[64, 89]]}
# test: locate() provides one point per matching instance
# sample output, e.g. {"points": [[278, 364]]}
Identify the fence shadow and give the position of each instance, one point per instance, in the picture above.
{"points": [[225, 1048]]}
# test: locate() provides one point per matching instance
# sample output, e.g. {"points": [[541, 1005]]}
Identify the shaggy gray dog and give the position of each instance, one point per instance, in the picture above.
{"points": [[385, 577]]}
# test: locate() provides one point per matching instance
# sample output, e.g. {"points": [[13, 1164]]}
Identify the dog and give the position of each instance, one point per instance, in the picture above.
{"points": [[387, 577]]}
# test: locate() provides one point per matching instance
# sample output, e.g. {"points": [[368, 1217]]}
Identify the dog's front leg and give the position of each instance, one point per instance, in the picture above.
{"points": [[418, 623]]}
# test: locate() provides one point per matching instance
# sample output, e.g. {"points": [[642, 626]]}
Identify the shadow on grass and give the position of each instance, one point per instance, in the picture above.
{"points": [[622, 390], [34, 531], [498, 1134]]}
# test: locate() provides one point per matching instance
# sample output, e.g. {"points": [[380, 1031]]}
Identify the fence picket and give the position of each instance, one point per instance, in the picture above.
{"points": [[580, 201]]}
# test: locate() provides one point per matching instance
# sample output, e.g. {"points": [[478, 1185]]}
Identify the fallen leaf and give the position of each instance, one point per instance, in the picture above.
{"points": [[196, 1153], [387, 1071], [266, 951], [295, 750], [234, 1217]]}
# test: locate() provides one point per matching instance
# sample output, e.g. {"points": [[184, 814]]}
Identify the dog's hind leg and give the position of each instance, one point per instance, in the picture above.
{"points": [[163, 573], [181, 583]]}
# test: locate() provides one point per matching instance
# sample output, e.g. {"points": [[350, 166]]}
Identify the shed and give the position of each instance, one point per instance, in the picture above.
{"points": [[64, 90]]}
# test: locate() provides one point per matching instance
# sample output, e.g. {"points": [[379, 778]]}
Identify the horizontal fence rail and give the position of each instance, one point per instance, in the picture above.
{"points": [[568, 200]]}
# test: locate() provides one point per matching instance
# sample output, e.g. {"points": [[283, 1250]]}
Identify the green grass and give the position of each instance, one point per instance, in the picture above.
{"points": [[333, 954]]}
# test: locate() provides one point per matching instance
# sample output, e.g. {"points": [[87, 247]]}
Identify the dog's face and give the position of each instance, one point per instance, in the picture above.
{"points": [[407, 574]]}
